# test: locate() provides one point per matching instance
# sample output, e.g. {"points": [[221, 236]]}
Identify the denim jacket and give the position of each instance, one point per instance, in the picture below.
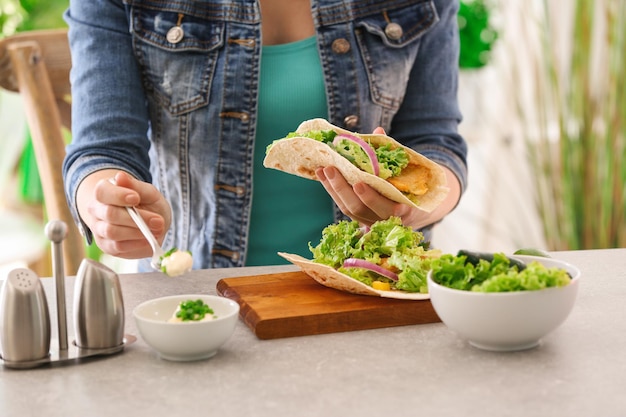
{"points": [[167, 91]]}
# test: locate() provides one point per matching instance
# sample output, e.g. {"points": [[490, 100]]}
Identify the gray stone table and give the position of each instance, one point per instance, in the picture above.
{"points": [[422, 370]]}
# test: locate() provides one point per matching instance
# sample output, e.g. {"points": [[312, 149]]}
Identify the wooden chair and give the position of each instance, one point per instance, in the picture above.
{"points": [[37, 64]]}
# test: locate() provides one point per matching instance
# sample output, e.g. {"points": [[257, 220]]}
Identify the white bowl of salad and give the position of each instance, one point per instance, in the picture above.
{"points": [[186, 327], [502, 303]]}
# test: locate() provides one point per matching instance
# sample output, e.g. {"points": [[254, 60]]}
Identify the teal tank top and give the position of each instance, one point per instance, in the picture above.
{"points": [[288, 212]]}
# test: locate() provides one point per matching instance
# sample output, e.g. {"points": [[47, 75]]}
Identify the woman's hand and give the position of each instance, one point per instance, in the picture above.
{"points": [[101, 205], [365, 205]]}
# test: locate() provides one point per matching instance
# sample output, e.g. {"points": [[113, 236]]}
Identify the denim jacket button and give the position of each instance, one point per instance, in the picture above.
{"points": [[175, 34], [351, 121], [340, 46], [394, 31]]}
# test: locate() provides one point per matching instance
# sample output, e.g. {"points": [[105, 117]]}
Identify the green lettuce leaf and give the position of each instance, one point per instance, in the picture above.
{"points": [[325, 136], [495, 276], [387, 243], [391, 161]]}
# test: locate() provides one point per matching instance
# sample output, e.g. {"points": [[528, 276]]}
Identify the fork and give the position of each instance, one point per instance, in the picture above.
{"points": [[157, 250]]}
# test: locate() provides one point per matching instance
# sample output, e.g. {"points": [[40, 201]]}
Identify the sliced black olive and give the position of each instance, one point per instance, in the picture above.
{"points": [[474, 257]]}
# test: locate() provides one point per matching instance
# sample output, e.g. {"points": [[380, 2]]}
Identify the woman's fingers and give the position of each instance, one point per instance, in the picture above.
{"points": [[345, 196], [362, 203], [152, 206], [114, 230], [381, 206]]}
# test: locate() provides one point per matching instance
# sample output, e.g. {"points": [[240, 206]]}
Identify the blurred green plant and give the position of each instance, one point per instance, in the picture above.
{"points": [[24, 15], [16, 16], [476, 32], [11, 16], [575, 126], [43, 14]]}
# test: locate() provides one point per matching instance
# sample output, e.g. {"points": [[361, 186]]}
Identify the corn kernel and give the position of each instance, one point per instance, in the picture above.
{"points": [[380, 285]]}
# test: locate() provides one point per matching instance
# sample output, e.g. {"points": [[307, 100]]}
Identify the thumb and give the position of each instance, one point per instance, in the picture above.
{"points": [[401, 210], [123, 179]]}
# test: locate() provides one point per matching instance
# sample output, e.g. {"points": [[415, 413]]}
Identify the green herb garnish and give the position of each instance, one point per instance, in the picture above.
{"points": [[191, 310], [167, 254]]}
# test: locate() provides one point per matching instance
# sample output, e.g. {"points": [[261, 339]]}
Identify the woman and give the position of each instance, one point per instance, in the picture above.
{"points": [[177, 101]]}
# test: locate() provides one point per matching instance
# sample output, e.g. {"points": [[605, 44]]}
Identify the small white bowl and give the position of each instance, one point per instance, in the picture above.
{"points": [[185, 341], [506, 321]]}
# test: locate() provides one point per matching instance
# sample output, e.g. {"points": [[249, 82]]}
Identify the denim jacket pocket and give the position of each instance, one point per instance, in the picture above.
{"points": [[177, 52], [389, 42]]}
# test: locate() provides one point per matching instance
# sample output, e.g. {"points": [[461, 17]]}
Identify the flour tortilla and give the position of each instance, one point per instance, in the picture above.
{"points": [[332, 278], [302, 156]]}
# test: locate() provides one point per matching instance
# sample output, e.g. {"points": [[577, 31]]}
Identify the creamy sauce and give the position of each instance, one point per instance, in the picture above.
{"points": [[178, 263], [174, 319]]}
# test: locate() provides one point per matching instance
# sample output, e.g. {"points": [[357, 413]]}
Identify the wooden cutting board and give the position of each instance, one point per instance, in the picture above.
{"points": [[293, 304]]}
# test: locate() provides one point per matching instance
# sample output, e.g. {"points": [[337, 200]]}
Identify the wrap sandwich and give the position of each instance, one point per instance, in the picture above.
{"points": [[387, 259], [394, 170]]}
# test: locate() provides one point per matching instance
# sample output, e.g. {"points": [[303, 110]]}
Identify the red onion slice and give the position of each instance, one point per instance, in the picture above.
{"points": [[369, 151], [362, 263]]}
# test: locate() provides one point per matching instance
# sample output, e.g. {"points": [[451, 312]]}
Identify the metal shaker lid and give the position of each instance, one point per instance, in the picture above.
{"points": [[24, 317]]}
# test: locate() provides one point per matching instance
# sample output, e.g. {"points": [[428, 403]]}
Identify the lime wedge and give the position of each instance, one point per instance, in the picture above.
{"points": [[532, 252]]}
